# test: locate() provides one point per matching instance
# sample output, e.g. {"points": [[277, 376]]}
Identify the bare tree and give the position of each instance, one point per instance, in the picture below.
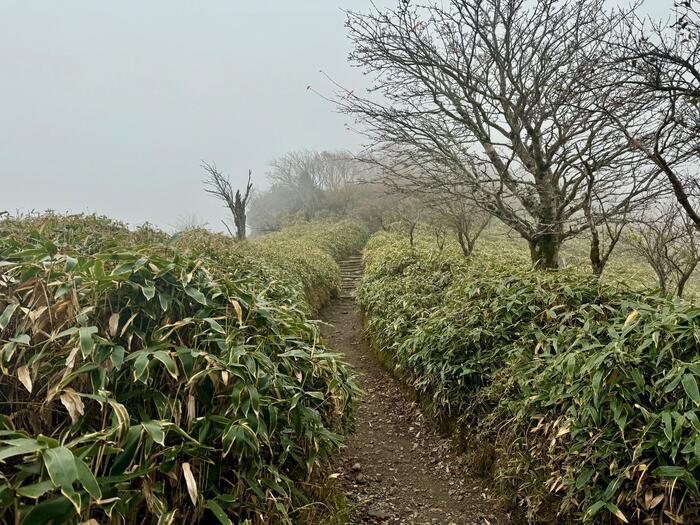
{"points": [[464, 218], [409, 211], [659, 63], [439, 227], [271, 208], [219, 186], [491, 101], [605, 236], [189, 221], [606, 229], [669, 241], [318, 181], [300, 172]]}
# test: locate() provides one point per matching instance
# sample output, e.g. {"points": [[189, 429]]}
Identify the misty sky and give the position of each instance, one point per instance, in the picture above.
{"points": [[110, 106]]}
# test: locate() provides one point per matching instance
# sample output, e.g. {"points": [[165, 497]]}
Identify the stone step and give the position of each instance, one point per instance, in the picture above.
{"points": [[350, 275]]}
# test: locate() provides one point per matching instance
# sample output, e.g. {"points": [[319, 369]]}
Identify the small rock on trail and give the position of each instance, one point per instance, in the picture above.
{"points": [[396, 469]]}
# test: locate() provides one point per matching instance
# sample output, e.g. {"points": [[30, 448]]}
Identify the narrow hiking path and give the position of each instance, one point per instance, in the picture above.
{"points": [[395, 468]]}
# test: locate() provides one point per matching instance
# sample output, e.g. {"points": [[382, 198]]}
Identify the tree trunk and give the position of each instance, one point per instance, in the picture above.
{"points": [[662, 282], [463, 243], [544, 251], [240, 226], [597, 263], [685, 277], [239, 218], [681, 285]]}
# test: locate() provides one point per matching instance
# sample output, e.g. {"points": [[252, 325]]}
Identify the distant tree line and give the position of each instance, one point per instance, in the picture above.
{"points": [[557, 119], [311, 184]]}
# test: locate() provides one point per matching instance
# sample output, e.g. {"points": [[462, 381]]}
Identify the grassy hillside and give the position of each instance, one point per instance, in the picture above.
{"points": [[624, 266], [149, 378]]}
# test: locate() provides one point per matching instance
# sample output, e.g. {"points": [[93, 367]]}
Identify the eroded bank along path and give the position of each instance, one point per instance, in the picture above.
{"points": [[395, 468]]}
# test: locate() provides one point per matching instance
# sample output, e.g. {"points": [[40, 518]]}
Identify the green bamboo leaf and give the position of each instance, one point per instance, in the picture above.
{"points": [[74, 497], [149, 292], [316, 395], [615, 511], [669, 471], [218, 512], [19, 447], [86, 341], [55, 510], [126, 457], [71, 263], [117, 356], [273, 418], [60, 464], [215, 325], [594, 509], [584, 477], [21, 339], [87, 479], [8, 350], [690, 385], [164, 300], [668, 425], [141, 367], [168, 361], [254, 399], [69, 331], [36, 490], [155, 430], [7, 315], [196, 295]]}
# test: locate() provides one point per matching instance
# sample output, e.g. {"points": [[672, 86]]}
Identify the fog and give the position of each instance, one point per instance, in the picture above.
{"points": [[110, 107]]}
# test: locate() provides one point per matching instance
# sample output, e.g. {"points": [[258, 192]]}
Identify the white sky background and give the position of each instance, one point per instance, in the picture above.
{"points": [[109, 106]]}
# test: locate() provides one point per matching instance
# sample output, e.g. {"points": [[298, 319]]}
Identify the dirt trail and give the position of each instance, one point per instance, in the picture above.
{"points": [[395, 468]]}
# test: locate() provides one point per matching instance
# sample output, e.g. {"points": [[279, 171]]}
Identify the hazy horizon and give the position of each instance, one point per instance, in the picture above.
{"points": [[111, 107]]}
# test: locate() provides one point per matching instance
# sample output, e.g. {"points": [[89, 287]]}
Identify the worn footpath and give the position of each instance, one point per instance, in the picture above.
{"points": [[395, 468]]}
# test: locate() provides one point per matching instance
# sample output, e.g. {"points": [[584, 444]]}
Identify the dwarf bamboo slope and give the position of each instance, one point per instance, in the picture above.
{"points": [[155, 379], [580, 398]]}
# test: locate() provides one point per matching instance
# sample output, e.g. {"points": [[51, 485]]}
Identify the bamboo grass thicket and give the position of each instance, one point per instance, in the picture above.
{"points": [[579, 397], [146, 378]]}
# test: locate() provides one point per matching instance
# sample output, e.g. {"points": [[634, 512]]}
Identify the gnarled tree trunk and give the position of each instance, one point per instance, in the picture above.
{"points": [[544, 251]]}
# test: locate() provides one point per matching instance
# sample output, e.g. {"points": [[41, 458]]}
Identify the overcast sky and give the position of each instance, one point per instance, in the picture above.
{"points": [[110, 106]]}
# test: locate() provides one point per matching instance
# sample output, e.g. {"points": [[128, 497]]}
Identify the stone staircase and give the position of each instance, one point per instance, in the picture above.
{"points": [[350, 274]]}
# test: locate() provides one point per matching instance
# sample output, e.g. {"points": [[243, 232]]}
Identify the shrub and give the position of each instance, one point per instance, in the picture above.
{"points": [[302, 258], [160, 382], [584, 393]]}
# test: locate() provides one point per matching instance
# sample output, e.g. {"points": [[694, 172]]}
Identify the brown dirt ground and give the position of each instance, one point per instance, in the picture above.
{"points": [[396, 468]]}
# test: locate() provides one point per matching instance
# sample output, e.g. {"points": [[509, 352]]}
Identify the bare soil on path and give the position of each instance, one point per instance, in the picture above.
{"points": [[396, 468]]}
